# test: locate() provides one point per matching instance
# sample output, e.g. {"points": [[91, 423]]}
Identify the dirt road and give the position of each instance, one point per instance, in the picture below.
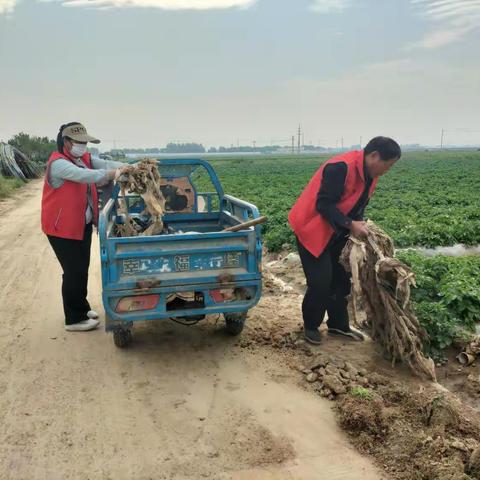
{"points": [[182, 403]]}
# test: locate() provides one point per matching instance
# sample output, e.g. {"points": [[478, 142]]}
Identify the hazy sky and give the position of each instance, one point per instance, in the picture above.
{"points": [[145, 72]]}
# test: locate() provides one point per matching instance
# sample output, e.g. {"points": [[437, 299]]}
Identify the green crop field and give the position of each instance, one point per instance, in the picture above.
{"points": [[428, 199]]}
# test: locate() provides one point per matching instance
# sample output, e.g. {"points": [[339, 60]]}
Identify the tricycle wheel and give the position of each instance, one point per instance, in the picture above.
{"points": [[122, 338], [234, 322]]}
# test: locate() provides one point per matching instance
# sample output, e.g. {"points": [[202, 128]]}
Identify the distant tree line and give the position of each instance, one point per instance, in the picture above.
{"points": [[170, 148], [183, 148], [40, 148], [195, 148], [245, 149]]}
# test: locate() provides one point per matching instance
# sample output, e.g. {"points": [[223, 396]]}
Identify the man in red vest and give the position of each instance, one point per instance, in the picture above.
{"points": [[329, 210]]}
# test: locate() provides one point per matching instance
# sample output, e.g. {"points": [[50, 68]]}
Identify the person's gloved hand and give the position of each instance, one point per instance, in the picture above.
{"points": [[359, 229]]}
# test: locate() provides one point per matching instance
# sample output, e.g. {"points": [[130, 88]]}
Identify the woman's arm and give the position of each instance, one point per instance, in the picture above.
{"points": [[101, 164], [61, 170]]}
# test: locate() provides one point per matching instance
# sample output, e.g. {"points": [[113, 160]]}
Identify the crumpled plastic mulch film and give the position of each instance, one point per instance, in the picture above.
{"points": [[381, 295], [143, 179]]}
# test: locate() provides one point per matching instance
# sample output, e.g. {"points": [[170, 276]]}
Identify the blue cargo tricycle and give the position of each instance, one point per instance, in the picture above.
{"points": [[196, 270]]}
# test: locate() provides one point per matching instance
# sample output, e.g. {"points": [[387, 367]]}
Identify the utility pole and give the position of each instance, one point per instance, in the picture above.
{"points": [[298, 141], [441, 139], [293, 144]]}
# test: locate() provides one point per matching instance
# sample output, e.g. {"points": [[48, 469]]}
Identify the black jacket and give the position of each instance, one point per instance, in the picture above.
{"points": [[330, 193]]}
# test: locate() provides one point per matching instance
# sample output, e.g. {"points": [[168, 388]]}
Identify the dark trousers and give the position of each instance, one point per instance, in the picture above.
{"points": [[328, 285], [74, 257]]}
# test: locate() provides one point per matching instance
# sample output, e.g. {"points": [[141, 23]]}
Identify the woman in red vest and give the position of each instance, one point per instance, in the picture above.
{"points": [[330, 209], [69, 211]]}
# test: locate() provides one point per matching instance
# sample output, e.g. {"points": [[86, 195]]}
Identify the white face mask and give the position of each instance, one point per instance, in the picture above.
{"points": [[78, 150]]}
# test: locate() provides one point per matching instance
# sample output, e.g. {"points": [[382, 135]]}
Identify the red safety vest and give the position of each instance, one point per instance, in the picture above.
{"points": [[63, 208], [313, 231]]}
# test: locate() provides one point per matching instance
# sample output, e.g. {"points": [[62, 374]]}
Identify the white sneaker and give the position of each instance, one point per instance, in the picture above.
{"points": [[92, 314], [83, 326]]}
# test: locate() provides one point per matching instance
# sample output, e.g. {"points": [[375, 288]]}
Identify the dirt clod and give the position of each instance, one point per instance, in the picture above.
{"points": [[362, 416], [334, 384], [474, 463]]}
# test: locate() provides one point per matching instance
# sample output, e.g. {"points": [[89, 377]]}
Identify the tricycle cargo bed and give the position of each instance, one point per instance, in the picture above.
{"points": [[179, 259]]}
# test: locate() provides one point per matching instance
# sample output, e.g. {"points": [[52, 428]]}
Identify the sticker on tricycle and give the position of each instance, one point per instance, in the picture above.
{"points": [[182, 263]]}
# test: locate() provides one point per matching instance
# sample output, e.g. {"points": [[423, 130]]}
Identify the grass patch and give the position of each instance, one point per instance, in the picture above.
{"points": [[362, 392], [9, 185]]}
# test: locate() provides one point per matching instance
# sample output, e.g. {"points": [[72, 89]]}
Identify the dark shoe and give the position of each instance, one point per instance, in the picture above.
{"points": [[350, 333], [313, 336]]}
